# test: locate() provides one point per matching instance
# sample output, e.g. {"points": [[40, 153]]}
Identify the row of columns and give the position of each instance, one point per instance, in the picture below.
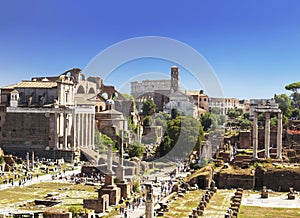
{"points": [[267, 135], [63, 127], [85, 124], [79, 126]]}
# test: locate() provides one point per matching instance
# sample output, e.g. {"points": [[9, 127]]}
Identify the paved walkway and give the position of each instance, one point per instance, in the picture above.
{"points": [[275, 202], [35, 180], [136, 213]]}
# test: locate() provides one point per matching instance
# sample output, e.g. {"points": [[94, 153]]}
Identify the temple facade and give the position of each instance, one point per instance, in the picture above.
{"points": [[51, 116]]}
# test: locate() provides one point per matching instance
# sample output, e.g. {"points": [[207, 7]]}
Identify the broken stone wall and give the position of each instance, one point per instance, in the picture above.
{"points": [[226, 180]]}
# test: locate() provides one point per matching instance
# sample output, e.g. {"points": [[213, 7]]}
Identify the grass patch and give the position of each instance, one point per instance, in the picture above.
{"points": [[253, 212], [185, 205], [70, 194]]}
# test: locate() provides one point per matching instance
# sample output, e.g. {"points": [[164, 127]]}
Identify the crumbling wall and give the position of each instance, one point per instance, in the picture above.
{"points": [[281, 179], [57, 213], [228, 180]]}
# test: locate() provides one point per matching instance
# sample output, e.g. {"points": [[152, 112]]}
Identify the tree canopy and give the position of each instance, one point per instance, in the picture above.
{"points": [[149, 107], [293, 86], [136, 149], [184, 132], [102, 141]]}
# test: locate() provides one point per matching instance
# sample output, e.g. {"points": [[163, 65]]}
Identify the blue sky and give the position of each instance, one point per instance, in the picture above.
{"points": [[253, 46]]}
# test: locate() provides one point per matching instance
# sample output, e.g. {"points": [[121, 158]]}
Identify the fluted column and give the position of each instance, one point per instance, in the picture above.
{"points": [[93, 131], [255, 135], [81, 130], [267, 135], [279, 135], [56, 121], [77, 130], [89, 130], [86, 124], [65, 136], [73, 130]]}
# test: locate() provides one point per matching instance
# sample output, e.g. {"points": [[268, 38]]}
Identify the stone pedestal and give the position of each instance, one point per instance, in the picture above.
{"points": [[99, 205], [125, 189], [111, 189], [113, 192]]}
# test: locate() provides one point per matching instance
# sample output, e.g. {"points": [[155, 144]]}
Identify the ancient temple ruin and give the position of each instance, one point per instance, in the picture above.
{"points": [[267, 108]]}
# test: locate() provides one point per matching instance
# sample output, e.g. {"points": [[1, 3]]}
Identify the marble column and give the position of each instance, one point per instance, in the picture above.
{"points": [[93, 131], [255, 135], [279, 135], [27, 160], [73, 131], [86, 124], [77, 131], [56, 121], [267, 135], [65, 136], [90, 129], [32, 159], [81, 130]]}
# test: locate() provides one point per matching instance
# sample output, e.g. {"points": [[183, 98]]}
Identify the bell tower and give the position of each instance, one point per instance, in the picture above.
{"points": [[174, 78]]}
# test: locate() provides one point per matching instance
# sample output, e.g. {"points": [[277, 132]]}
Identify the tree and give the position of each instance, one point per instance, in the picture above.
{"points": [[147, 121], [216, 110], [235, 113], [149, 107], [294, 87], [174, 113], [284, 103], [245, 124], [102, 141], [184, 131], [206, 121], [136, 149]]}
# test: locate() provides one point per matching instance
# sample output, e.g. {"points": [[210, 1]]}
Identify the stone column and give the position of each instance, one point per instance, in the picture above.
{"points": [[279, 135], [65, 136], [32, 159], [93, 131], [27, 160], [109, 159], [267, 135], [73, 130], [90, 129], [149, 210], [77, 131], [86, 125], [120, 169], [55, 131], [255, 135], [81, 130]]}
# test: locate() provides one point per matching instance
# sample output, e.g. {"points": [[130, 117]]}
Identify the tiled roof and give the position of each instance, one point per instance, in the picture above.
{"points": [[34, 84], [9, 86]]}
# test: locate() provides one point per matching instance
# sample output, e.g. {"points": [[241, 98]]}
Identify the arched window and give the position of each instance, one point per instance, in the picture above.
{"points": [[80, 90], [91, 91]]}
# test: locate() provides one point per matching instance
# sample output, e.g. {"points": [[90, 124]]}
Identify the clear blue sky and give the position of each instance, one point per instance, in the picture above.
{"points": [[253, 46]]}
